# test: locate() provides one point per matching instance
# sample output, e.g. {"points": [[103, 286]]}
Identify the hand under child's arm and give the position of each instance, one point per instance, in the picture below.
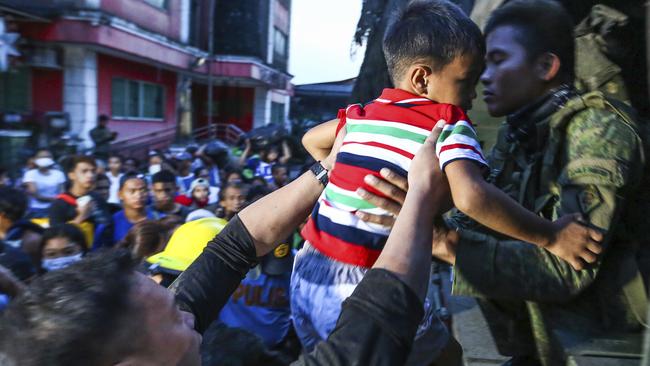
{"points": [[565, 237], [318, 141]]}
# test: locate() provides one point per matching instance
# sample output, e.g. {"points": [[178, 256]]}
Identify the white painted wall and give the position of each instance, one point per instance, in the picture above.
{"points": [[261, 107], [80, 89], [185, 21]]}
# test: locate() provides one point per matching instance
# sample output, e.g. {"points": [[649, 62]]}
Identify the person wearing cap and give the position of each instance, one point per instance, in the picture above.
{"points": [[133, 193], [43, 184], [198, 195]]}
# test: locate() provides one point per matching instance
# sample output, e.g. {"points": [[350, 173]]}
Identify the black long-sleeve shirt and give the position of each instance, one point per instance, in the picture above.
{"points": [[377, 323]]}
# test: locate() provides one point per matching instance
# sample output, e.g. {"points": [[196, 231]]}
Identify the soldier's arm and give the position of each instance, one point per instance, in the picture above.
{"points": [[600, 168]]}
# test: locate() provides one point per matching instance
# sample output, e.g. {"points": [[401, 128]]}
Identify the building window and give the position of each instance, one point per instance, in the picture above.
{"points": [[15, 91], [279, 43], [137, 99], [157, 3], [277, 113]]}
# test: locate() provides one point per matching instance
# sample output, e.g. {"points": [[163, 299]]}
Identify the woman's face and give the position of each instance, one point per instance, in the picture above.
{"points": [[60, 247]]}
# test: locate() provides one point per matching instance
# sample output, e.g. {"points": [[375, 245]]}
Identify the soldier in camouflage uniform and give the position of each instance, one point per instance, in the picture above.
{"points": [[559, 152]]}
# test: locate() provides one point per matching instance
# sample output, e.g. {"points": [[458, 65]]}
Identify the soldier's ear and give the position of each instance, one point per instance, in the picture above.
{"points": [[547, 66]]}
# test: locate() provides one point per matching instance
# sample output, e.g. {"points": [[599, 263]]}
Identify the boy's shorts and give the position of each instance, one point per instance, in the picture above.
{"points": [[319, 285]]}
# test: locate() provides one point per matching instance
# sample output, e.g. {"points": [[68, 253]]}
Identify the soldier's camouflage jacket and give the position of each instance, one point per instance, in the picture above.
{"points": [[586, 157]]}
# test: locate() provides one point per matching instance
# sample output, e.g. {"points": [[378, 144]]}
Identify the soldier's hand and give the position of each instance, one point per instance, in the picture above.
{"points": [[575, 242], [394, 187]]}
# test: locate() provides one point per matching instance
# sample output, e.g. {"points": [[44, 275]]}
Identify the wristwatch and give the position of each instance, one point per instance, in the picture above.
{"points": [[320, 172]]}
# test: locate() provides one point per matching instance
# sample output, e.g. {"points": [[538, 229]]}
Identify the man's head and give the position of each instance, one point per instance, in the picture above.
{"points": [[434, 50], [81, 172], [102, 186], [130, 164], [233, 198], [530, 51], [280, 174], [13, 204], [43, 160], [163, 185], [98, 311], [133, 191], [115, 164], [102, 120]]}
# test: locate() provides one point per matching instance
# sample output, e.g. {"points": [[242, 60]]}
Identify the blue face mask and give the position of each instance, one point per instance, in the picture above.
{"points": [[61, 262]]}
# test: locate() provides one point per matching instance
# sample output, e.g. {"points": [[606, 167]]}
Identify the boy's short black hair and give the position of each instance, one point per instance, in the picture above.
{"points": [[131, 175], [434, 31], [73, 161], [13, 203], [163, 176], [542, 26]]}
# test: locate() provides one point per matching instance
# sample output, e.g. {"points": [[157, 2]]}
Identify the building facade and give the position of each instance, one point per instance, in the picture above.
{"points": [[148, 64]]}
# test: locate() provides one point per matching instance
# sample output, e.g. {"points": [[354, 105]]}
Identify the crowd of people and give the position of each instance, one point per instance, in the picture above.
{"points": [[544, 232]]}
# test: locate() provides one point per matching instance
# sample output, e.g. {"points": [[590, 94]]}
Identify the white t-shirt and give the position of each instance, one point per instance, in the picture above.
{"points": [[49, 184], [115, 187]]}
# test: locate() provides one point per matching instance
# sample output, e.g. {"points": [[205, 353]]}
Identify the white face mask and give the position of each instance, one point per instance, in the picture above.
{"points": [[44, 162], [153, 169], [60, 263]]}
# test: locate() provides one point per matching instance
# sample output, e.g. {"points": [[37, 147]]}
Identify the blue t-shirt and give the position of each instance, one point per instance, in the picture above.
{"points": [[260, 168], [260, 305], [121, 225]]}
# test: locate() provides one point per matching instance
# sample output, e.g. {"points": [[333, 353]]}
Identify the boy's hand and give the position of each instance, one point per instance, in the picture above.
{"points": [[574, 241]]}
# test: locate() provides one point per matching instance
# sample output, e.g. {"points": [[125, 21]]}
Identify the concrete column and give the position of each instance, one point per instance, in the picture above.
{"points": [[261, 107], [185, 21], [80, 89], [271, 33]]}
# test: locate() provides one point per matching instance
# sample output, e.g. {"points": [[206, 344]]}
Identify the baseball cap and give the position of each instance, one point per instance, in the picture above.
{"points": [[279, 261], [201, 213], [186, 244], [183, 156], [199, 182]]}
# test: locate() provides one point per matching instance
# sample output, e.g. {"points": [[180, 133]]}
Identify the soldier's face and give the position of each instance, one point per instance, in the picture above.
{"points": [[511, 80]]}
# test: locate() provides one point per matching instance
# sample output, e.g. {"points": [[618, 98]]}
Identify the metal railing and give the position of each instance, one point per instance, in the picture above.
{"points": [[139, 146], [225, 132]]}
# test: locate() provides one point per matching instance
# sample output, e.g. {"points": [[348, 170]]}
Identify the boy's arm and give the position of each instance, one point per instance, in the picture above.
{"points": [[493, 208], [318, 141]]}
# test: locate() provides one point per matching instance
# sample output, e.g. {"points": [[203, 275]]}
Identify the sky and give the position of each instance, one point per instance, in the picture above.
{"points": [[321, 38]]}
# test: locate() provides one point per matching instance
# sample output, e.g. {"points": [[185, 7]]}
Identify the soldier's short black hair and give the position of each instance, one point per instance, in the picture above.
{"points": [[542, 26], [433, 31], [80, 315]]}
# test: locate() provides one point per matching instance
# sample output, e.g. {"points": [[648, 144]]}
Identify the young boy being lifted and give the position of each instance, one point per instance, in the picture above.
{"points": [[435, 56]]}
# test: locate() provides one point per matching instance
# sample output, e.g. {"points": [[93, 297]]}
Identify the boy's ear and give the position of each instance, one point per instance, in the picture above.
{"points": [[547, 66], [418, 77]]}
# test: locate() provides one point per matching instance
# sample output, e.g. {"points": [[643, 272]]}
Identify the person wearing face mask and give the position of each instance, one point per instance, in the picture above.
{"points": [[61, 246], [43, 184]]}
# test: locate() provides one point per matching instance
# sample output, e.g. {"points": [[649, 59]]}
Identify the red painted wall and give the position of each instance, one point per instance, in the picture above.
{"points": [[234, 105], [163, 21], [109, 67], [47, 91]]}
